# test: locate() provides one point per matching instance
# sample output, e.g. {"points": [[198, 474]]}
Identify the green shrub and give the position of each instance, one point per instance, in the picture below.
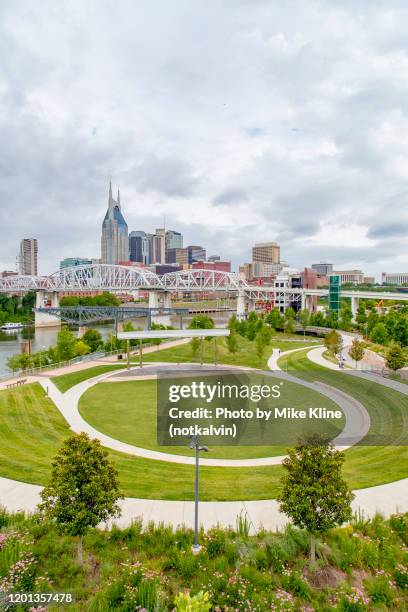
{"points": [[399, 524], [184, 602], [215, 541], [183, 562], [380, 590], [261, 559], [231, 553], [353, 601], [293, 582], [401, 577]]}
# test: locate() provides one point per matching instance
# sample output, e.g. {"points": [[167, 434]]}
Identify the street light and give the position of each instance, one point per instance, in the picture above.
{"points": [[195, 445]]}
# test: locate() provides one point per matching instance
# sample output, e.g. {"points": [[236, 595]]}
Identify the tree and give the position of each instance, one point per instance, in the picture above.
{"points": [[356, 351], [232, 342], [395, 358], [346, 318], [201, 322], [83, 490], [195, 346], [260, 344], [317, 318], [314, 493], [275, 319], [361, 316], [379, 334], [93, 339], [65, 344], [251, 329], [232, 323], [333, 342], [18, 362], [304, 319], [80, 348], [332, 319]]}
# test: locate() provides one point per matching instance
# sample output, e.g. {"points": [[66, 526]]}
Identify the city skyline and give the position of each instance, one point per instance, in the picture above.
{"points": [[249, 139]]}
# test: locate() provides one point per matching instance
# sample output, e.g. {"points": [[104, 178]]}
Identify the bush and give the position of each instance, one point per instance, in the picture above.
{"points": [[215, 543], [380, 590], [184, 602], [294, 583]]}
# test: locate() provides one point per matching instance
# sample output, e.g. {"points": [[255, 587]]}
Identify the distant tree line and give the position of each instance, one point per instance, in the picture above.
{"points": [[105, 299], [14, 309]]}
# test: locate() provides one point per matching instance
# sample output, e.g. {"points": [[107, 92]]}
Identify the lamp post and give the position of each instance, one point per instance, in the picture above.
{"points": [[195, 445]]}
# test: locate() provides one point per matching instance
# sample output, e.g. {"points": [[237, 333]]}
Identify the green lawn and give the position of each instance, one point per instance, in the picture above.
{"points": [[127, 411], [388, 411], [245, 356], [66, 381], [32, 430]]}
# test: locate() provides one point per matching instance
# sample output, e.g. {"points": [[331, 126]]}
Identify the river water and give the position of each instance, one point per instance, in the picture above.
{"points": [[43, 338]]}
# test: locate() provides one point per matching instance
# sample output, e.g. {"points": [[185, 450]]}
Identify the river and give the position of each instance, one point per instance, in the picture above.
{"points": [[43, 338]]}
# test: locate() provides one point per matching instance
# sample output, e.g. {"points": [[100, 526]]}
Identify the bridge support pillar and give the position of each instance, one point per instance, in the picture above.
{"points": [[154, 302], [167, 299], [250, 305], [153, 299], [354, 307], [42, 319], [241, 305]]}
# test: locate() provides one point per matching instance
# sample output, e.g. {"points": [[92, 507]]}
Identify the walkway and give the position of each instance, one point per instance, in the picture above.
{"points": [[356, 426], [386, 499], [316, 356]]}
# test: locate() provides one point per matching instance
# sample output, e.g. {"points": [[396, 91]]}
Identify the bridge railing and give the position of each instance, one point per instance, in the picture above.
{"points": [[74, 361]]}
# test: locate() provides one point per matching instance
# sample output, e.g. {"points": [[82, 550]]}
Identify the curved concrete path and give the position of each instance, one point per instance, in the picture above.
{"points": [[386, 499], [316, 356], [356, 427]]}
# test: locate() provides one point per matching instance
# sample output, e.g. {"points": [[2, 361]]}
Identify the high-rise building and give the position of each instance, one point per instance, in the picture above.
{"points": [[139, 247], [266, 252], [70, 262], [323, 268], [115, 239], [179, 256], [174, 240], [196, 253], [159, 246], [29, 256], [148, 248]]}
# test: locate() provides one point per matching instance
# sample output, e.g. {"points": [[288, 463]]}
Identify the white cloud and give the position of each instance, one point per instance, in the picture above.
{"points": [[237, 120]]}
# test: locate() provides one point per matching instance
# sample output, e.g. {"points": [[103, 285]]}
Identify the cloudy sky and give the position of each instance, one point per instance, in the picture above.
{"points": [[235, 120]]}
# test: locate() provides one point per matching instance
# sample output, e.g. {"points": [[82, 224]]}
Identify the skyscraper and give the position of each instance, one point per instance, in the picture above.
{"points": [[196, 253], [174, 240], [115, 240], [139, 247], [159, 246], [28, 256]]}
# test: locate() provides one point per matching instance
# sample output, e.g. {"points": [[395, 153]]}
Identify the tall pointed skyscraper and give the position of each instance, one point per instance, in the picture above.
{"points": [[115, 240]]}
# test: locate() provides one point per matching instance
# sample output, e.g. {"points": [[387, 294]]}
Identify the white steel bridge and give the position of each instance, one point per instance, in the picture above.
{"points": [[115, 278]]}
